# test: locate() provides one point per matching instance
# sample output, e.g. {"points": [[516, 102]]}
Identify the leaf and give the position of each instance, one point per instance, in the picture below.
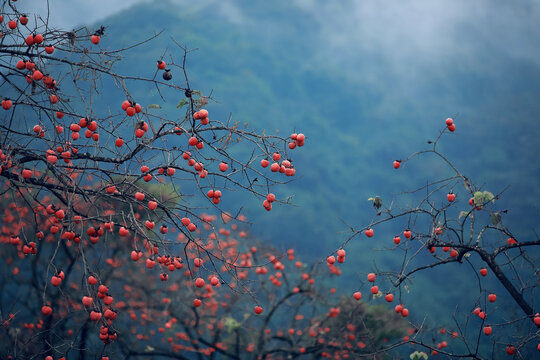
{"points": [[462, 213], [488, 197], [154, 106], [181, 103], [467, 255], [495, 218], [230, 324], [197, 92], [418, 355], [478, 198], [483, 197]]}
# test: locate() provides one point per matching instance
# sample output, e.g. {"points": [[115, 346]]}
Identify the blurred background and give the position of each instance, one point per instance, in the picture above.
{"points": [[367, 82]]}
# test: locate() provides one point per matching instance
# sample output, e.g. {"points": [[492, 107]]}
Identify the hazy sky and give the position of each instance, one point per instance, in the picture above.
{"points": [[67, 14], [403, 27]]}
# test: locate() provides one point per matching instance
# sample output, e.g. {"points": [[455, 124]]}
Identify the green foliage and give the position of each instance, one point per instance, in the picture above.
{"points": [[231, 324], [418, 355], [483, 197], [182, 103]]}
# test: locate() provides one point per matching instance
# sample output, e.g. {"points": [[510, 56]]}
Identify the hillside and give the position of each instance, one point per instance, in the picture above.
{"points": [[359, 109], [363, 101]]}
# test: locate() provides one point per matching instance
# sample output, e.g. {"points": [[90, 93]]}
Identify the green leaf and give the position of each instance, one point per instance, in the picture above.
{"points": [[418, 355], [478, 198], [154, 106], [230, 324], [181, 103], [488, 197], [482, 197], [462, 213]]}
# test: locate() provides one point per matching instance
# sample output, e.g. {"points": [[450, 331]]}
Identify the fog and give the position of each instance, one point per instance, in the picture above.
{"points": [[402, 30], [68, 14]]}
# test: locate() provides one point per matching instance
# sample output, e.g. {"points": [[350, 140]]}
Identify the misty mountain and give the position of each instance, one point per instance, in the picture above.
{"points": [[366, 86], [367, 83]]}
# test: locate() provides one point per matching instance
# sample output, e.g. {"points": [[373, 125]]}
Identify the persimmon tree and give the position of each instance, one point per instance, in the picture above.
{"points": [[193, 310], [451, 220], [118, 239], [90, 184]]}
